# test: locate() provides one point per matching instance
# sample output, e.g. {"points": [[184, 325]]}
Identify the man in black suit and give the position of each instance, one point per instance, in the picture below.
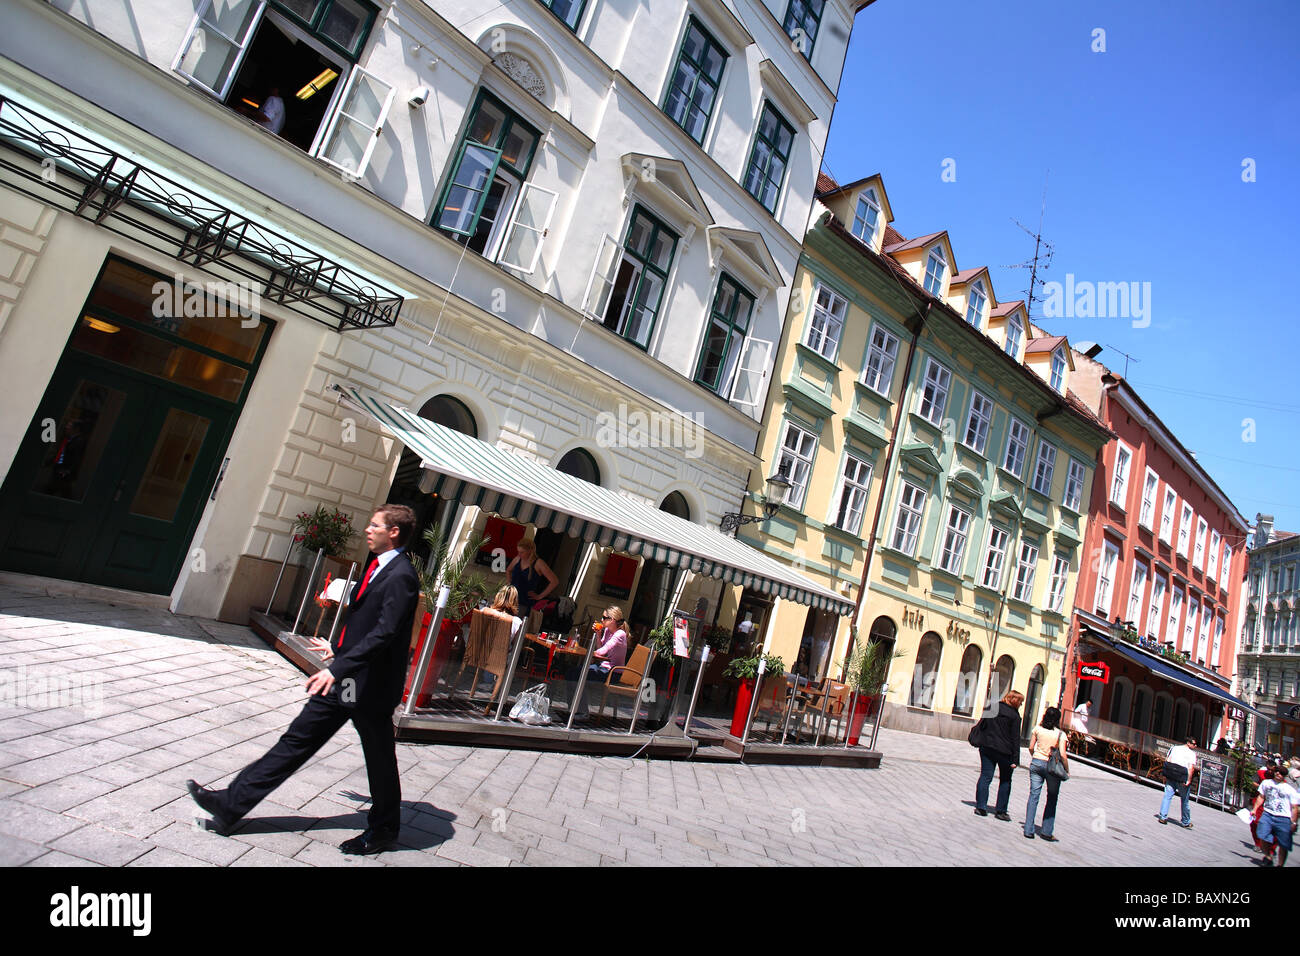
{"points": [[363, 684]]}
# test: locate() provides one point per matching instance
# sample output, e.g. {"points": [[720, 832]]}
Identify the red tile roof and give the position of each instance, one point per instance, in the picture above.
{"points": [[961, 278], [1044, 344], [910, 243], [1006, 307], [826, 184]]}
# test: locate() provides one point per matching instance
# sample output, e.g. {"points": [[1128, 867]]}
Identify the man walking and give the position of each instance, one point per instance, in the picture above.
{"points": [[363, 684], [1281, 805], [1179, 767]]}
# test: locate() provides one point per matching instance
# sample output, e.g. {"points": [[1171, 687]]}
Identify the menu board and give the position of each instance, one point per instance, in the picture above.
{"points": [[1213, 781]]}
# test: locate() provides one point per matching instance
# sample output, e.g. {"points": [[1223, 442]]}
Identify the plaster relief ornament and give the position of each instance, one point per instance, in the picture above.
{"points": [[522, 72]]}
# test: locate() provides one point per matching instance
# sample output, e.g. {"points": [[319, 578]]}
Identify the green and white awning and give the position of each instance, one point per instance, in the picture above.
{"points": [[474, 472]]}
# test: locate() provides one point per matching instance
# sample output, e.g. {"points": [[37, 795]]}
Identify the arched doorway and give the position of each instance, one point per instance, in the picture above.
{"points": [[405, 489], [1121, 701], [1182, 713], [925, 673], [1197, 728], [1033, 697], [560, 551], [968, 681], [1141, 719], [658, 581], [1162, 717]]}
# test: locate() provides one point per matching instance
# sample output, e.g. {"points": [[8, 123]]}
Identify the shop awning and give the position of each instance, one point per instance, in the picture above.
{"points": [[1168, 671], [475, 472]]}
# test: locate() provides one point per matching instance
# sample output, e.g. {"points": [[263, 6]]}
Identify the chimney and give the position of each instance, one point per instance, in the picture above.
{"points": [[1263, 529]]}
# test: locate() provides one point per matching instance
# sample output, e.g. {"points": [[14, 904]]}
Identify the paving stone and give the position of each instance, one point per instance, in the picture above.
{"points": [[101, 845]]}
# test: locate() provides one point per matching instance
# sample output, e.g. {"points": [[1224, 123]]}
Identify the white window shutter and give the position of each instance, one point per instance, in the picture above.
{"points": [[751, 372], [523, 246], [601, 282], [216, 43], [355, 127]]}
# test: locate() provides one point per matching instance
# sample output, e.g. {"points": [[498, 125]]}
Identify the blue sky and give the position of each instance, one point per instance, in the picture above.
{"points": [[1145, 144]]}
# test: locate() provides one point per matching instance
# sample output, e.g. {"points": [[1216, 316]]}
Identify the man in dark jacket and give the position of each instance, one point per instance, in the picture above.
{"points": [[363, 684], [998, 739]]}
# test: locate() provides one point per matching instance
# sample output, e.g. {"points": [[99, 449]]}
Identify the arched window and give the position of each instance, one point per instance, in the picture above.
{"points": [[451, 412], [579, 464], [1182, 713], [1162, 720], [1197, 728], [1004, 673], [884, 630], [676, 504], [1141, 709], [968, 681], [926, 672], [1121, 701]]}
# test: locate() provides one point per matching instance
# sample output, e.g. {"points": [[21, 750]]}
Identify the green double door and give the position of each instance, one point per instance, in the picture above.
{"points": [[112, 474]]}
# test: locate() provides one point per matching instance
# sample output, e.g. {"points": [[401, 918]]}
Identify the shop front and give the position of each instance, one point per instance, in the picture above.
{"points": [[468, 689]]}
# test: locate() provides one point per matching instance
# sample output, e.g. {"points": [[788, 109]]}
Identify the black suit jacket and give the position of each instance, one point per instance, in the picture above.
{"points": [[370, 664]]}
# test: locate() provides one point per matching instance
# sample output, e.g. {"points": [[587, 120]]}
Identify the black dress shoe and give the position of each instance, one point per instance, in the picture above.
{"points": [[981, 813], [368, 844], [1004, 816], [207, 800]]}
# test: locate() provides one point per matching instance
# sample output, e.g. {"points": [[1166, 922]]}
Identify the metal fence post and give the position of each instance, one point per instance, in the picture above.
{"points": [[275, 590]]}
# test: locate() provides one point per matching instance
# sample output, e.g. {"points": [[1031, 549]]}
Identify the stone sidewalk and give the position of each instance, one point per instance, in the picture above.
{"points": [[106, 709]]}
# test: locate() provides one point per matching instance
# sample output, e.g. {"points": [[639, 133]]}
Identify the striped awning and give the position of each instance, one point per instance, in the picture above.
{"points": [[474, 472]]}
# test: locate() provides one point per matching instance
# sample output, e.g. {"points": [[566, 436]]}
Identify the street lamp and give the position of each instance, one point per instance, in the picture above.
{"points": [[777, 485]]}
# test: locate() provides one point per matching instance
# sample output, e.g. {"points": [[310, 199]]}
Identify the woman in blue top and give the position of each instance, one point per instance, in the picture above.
{"points": [[530, 576]]}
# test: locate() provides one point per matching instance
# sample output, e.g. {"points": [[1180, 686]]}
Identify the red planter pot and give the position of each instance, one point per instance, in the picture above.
{"points": [[744, 696], [441, 652], [863, 708]]}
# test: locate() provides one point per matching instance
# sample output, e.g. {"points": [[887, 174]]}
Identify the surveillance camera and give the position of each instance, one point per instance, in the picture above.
{"points": [[419, 96]]}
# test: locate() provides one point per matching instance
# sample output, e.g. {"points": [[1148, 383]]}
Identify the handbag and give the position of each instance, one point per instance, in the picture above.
{"points": [[1056, 764], [533, 706], [976, 736]]}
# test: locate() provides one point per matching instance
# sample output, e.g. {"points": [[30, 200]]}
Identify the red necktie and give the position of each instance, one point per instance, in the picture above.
{"points": [[374, 564]]}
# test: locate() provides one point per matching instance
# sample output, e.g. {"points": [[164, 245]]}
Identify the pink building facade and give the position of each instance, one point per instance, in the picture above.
{"points": [[1160, 594]]}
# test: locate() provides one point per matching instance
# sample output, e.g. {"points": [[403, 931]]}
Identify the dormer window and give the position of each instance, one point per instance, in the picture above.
{"points": [[1015, 332], [1058, 370], [976, 303], [866, 218], [936, 270]]}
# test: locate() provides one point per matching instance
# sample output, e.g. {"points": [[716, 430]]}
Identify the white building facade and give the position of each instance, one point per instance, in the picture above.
{"points": [[565, 228]]}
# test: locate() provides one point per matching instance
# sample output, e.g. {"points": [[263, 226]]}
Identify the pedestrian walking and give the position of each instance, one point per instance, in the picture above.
{"points": [[1179, 767], [363, 684], [1278, 805], [998, 740], [1046, 742]]}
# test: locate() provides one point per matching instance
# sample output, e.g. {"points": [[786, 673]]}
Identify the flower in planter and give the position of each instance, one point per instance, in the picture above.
{"points": [[321, 529]]}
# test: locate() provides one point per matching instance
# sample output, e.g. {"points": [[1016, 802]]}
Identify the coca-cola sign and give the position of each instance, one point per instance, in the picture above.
{"points": [[1097, 671]]}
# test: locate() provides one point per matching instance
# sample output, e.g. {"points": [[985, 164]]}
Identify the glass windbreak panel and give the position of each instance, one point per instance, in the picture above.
{"points": [[83, 432], [217, 315], [345, 23], [155, 356], [170, 465]]}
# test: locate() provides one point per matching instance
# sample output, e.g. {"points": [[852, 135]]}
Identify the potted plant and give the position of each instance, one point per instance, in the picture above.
{"points": [[746, 669], [313, 531], [867, 669], [467, 590]]}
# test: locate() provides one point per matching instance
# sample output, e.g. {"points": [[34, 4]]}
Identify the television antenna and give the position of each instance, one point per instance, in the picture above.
{"points": [[1043, 252]]}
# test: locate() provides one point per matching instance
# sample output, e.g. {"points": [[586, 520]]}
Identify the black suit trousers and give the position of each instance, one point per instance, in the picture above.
{"points": [[320, 720]]}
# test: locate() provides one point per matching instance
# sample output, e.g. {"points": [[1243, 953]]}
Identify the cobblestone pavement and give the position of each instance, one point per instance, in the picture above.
{"points": [[146, 699]]}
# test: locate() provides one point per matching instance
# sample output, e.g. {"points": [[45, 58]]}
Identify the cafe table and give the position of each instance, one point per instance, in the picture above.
{"points": [[554, 648]]}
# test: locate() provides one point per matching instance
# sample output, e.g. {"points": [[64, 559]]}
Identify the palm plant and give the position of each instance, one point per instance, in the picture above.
{"points": [[443, 570], [868, 667]]}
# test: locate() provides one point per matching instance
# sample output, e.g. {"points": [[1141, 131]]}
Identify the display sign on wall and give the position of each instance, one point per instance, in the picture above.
{"points": [[1094, 671]]}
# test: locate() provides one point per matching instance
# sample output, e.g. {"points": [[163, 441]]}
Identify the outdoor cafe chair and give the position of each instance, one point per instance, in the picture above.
{"points": [[629, 678]]}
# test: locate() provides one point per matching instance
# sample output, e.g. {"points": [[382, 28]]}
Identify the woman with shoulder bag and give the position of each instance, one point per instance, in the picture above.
{"points": [[1046, 746], [998, 739]]}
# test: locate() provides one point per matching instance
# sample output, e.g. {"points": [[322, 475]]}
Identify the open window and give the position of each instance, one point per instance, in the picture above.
{"points": [[627, 285], [485, 196], [290, 66]]}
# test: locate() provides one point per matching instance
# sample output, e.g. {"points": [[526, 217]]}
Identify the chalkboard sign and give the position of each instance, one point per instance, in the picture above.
{"points": [[1213, 780]]}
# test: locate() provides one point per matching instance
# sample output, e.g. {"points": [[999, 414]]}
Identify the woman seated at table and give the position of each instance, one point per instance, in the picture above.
{"points": [[611, 651]]}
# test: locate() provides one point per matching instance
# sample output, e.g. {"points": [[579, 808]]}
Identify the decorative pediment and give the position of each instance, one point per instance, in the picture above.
{"points": [[921, 456], [670, 182], [1006, 503], [866, 431], [747, 253], [968, 482]]}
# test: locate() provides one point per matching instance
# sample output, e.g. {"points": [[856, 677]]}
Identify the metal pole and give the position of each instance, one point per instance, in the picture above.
{"points": [[338, 611], [283, 563], [826, 701], [426, 652], [582, 681], [636, 706], [706, 654], [848, 718], [880, 712], [311, 586], [510, 673], [753, 703], [789, 707]]}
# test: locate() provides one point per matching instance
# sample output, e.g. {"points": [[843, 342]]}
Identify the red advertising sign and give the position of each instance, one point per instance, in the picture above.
{"points": [[1094, 671]]}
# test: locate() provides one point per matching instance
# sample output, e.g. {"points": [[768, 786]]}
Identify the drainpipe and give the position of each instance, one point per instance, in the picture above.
{"points": [[921, 318]]}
